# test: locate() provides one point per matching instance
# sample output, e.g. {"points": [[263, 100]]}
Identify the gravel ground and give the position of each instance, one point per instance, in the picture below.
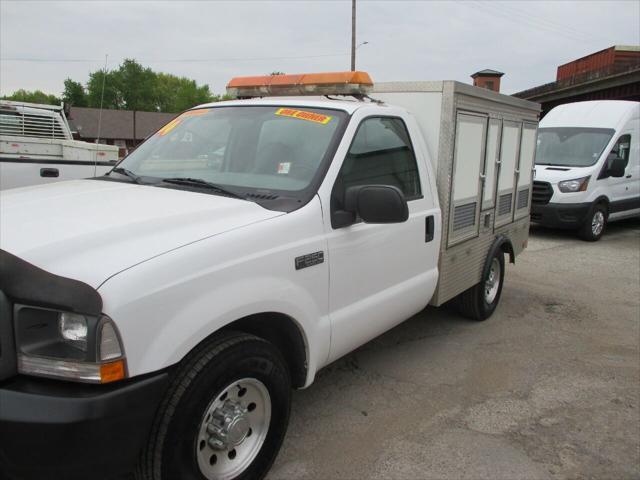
{"points": [[547, 388]]}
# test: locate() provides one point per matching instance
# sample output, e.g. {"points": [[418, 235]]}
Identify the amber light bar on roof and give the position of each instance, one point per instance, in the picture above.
{"points": [[335, 83]]}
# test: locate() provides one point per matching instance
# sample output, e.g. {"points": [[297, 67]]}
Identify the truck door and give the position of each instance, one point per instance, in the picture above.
{"points": [[380, 274], [625, 191]]}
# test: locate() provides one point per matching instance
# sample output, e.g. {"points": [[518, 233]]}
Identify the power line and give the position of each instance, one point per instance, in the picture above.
{"points": [[523, 19], [550, 22], [172, 60]]}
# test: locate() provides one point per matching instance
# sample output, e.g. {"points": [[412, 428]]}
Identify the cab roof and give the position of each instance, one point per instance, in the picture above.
{"points": [[346, 104], [592, 114]]}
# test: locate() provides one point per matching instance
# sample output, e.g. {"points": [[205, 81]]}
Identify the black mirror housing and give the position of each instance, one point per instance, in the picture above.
{"points": [[377, 203], [616, 167]]}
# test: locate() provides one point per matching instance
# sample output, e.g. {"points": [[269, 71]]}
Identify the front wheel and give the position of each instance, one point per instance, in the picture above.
{"points": [[225, 415], [594, 225], [480, 301]]}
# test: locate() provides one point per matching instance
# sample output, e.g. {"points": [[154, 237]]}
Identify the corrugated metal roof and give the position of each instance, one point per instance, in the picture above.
{"points": [[116, 124]]}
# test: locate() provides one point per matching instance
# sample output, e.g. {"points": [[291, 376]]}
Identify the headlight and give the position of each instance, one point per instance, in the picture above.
{"points": [[575, 185], [73, 329], [68, 345]]}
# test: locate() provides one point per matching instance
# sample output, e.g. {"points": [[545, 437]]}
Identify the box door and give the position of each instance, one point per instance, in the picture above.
{"points": [[525, 170], [466, 179], [491, 164], [509, 149]]}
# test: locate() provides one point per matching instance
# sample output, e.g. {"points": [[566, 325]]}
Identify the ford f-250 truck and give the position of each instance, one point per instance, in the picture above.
{"points": [[157, 317]]}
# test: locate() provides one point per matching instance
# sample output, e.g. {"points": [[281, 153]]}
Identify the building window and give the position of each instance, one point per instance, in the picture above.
{"points": [[489, 84]]}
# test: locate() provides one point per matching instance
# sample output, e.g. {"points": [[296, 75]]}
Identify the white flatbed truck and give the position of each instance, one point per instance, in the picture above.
{"points": [[160, 314], [36, 147]]}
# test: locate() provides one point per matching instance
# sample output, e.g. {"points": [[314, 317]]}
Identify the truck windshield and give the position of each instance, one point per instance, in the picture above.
{"points": [[571, 147], [270, 149]]}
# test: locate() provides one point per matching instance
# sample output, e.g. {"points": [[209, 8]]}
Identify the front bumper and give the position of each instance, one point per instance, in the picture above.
{"points": [[560, 215], [60, 430]]}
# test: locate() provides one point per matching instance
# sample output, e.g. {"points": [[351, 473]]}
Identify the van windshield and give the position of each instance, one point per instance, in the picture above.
{"points": [[269, 149], [570, 146]]}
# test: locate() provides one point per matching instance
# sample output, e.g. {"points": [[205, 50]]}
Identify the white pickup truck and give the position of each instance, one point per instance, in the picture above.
{"points": [[36, 146], [157, 317]]}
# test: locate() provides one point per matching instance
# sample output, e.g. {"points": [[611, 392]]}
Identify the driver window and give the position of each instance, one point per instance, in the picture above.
{"points": [[380, 154], [621, 149]]}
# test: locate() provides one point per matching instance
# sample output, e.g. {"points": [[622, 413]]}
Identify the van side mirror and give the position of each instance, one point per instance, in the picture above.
{"points": [[373, 204], [616, 167]]}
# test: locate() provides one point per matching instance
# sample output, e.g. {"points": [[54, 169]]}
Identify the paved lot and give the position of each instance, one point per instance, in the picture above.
{"points": [[549, 387]]}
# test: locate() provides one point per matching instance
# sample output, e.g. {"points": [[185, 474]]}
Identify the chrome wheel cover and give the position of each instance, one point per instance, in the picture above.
{"points": [[233, 429], [492, 283], [597, 223]]}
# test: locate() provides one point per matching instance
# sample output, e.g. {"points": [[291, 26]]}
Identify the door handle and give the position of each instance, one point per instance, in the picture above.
{"points": [[628, 176], [49, 172], [430, 229]]}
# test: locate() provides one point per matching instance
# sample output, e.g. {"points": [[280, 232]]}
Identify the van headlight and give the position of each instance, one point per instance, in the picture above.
{"points": [[68, 345], [575, 185]]}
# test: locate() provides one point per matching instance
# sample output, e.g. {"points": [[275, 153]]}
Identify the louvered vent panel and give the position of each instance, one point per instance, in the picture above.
{"points": [[504, 204], [523, 199], [29, 125], [464, 216]]}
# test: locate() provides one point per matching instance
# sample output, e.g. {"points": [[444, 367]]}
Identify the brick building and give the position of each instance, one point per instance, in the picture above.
{"points": [[122, 128], [489, 79]]}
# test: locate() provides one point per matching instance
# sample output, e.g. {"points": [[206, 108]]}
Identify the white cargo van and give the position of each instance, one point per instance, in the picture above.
{"points": [[587, 166], [158, 316]]}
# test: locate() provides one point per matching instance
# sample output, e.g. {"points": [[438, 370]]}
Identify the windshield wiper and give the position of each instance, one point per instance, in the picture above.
{"points": [[198, 182], [128, 173]]}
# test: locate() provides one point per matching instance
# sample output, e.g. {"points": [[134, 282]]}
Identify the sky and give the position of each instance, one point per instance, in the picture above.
{"points": [[44, 42]]}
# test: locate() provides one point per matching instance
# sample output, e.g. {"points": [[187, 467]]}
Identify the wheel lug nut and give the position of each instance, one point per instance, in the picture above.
{"points": [[215, 443]]}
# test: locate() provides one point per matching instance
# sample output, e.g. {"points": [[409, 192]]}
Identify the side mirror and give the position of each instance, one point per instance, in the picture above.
{"points": [[616, 167], [373, 204]]}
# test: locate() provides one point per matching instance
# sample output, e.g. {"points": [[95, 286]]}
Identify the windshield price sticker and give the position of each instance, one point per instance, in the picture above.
{"points": [[302, 115]]}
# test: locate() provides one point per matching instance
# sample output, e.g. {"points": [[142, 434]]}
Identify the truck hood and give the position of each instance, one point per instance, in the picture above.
{"points": [[90, 230], [554, 174]]}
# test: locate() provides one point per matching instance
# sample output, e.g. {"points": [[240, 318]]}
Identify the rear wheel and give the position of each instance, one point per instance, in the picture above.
{"points": [[225, 415], [480, 301], [593, 227]]}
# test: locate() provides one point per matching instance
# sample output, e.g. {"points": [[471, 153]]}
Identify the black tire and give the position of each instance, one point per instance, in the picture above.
{"points": [[472, 303], [171, 450], [589, 230]]}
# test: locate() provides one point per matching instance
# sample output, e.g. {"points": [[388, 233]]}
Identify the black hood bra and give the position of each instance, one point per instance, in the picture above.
{"points": [[25, 283]]}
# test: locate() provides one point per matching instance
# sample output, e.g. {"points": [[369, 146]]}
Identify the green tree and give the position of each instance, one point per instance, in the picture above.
{"points": [[36, 96], [175, 94], [112, 95], [74, 93], [136, 85]]}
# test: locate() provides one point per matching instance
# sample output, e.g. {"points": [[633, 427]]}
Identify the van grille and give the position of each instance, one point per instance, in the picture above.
{"points": [[504, 204], [464, 216], [542, 193]]}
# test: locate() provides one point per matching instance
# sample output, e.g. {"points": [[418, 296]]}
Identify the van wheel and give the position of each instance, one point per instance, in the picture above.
{"points": [[224, 416], [479, 302], [594, 226]]}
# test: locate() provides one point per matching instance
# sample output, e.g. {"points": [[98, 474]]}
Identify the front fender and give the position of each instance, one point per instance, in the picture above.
{"points": [[166, 306], [209, 313]]}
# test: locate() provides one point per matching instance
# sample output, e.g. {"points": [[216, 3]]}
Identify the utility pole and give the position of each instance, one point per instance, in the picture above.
{"points": [[353, 35]]}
